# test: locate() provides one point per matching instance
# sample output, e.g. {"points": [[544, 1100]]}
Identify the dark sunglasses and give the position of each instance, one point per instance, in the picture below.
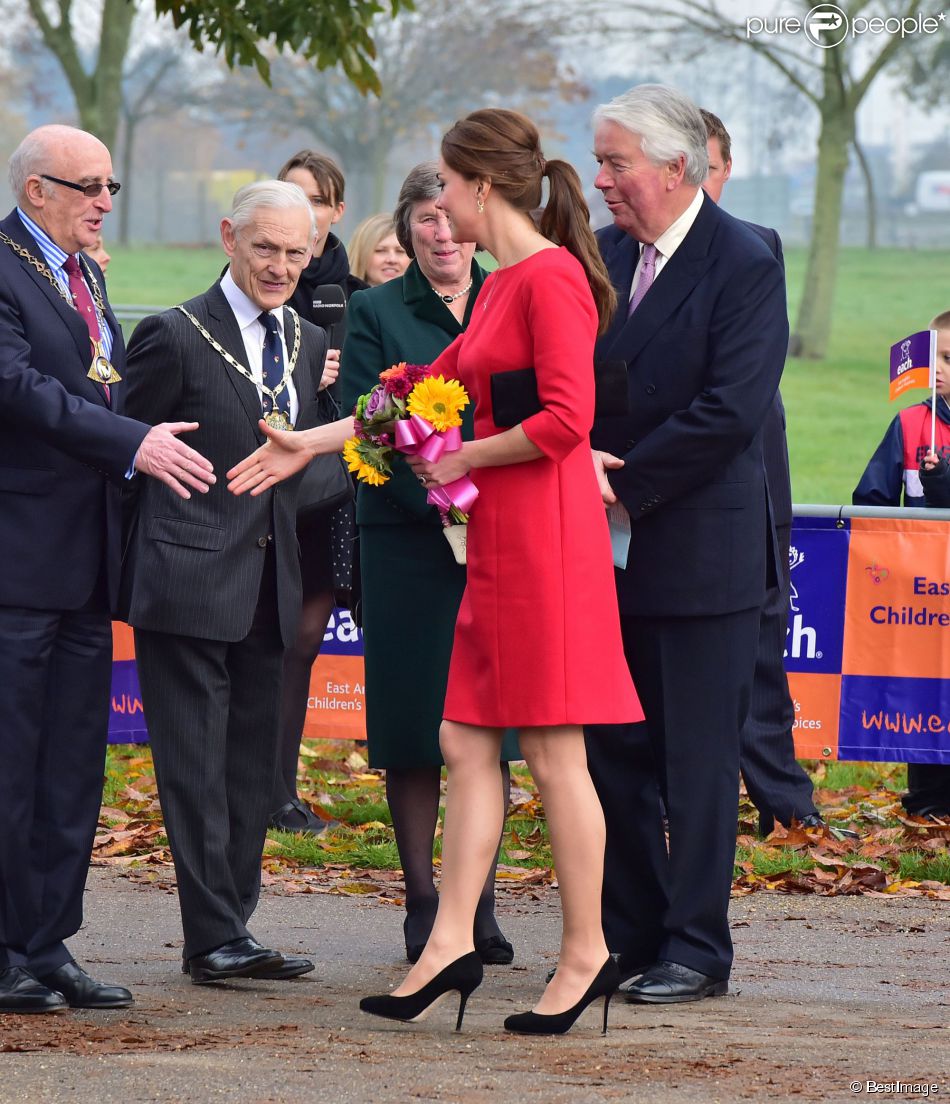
{"points": [[89, 190]]}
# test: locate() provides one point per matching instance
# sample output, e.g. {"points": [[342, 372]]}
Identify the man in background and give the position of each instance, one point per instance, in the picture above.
{"points": [[776, 782]]}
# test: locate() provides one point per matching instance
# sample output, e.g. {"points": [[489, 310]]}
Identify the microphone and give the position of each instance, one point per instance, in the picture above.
{"points": [[329, 305]]}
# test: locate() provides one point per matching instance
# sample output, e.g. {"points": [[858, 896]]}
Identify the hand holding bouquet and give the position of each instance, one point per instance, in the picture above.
{"points": [[413, 412]]}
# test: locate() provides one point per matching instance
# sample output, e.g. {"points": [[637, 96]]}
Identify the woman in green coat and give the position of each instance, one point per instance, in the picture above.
{"points": [[405, 562]]}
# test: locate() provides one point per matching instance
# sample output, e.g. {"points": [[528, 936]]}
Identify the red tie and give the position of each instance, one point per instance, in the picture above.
{"points": [[82, 301]]}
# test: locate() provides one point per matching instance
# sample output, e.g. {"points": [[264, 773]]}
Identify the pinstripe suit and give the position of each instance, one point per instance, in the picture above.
{"points": [[212, 587]]}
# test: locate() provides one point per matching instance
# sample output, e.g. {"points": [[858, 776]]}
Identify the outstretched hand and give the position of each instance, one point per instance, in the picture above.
{"points": [[162, 456], [604, 462], [282, 455]]}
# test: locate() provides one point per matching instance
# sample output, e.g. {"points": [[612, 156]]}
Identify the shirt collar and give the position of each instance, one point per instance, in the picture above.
{"points": [[52, 254], [672, 237], [246, 311]]}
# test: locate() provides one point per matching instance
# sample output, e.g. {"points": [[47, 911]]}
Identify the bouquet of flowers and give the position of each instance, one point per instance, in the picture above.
{"points": [[416, 413]]}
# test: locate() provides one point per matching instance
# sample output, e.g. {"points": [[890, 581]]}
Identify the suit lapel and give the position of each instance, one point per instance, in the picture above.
{"points": [[304, 380], [70, 317], [676, 281], [223, 326]]}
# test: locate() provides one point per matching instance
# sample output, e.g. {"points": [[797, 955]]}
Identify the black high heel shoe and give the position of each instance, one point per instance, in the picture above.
{"points": [[462, 976], [536, 1023]]}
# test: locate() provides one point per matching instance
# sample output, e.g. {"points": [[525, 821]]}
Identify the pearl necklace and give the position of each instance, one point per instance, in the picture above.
{"points": [[458, 295]]}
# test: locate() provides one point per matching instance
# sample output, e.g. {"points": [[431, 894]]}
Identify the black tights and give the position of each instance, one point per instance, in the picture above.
{"points": [[298, 660], [413, 796]]}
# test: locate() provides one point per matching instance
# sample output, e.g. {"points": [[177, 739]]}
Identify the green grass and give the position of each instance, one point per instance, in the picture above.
{"points": [[869, 776], [922, 867], [837, 408]]}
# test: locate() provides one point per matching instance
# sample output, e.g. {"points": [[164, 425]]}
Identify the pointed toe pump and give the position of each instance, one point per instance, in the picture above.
{"points": [[536, 1023], [463, 976]]}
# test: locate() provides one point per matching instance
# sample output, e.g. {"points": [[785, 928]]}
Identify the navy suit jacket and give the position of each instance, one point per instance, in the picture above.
{"points": [[704, 354], [63, 452]]}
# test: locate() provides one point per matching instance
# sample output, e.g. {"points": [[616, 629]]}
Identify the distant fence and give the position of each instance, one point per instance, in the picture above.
{"points": [[133, 313]]}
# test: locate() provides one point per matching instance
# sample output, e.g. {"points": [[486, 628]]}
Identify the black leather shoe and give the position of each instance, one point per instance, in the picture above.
{"points": [[292, 966], [81, 991], [21, 992], [295, 816], [239, 958], [628, 969], [671, 983]]}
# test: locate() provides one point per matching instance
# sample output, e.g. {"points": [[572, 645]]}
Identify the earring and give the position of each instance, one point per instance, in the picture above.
{"points": [[480, 205]]}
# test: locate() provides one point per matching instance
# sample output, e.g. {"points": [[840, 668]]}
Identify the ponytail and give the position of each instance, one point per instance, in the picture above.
{"points": [[565, 220]]}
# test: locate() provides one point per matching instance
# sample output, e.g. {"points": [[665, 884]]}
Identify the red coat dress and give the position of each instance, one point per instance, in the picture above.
{"points": [[537, 641]]}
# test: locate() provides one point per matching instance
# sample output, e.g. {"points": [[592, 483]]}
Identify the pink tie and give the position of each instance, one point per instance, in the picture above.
{"points": [[82, 301], [647, 272]]}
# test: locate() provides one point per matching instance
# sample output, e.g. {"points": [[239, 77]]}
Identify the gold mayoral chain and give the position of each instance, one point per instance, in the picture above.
{"points": [[102, 370], [276, 419]]}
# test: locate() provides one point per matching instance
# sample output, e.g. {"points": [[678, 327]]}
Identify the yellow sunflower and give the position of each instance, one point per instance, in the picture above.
{"points": [[354, 455], [439, 401]]}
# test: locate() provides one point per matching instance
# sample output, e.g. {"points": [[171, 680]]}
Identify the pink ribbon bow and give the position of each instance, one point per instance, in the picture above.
{"points": [[417, 437]]}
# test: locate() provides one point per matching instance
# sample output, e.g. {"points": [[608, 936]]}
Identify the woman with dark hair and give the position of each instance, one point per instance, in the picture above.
{"points": [[413, 318], [537, 642]]}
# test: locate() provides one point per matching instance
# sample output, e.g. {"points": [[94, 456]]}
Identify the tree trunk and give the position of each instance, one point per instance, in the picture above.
{"points": [[870, 198], [117, 18], [813, 326]]}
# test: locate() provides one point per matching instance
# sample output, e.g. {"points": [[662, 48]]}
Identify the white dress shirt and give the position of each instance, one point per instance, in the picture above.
{"points": [[247, 313], [671, 239]]}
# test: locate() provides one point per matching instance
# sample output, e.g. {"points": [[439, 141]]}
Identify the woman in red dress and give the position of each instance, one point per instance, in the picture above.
{"points": [[537, 642]]}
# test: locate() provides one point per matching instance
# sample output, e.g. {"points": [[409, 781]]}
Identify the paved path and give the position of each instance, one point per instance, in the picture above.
{"points": [[826, 991]]}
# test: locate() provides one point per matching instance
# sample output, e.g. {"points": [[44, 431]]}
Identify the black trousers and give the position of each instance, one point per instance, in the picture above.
{"points": [[775, 780], [55, 675], [694, 676], [212, 711]]}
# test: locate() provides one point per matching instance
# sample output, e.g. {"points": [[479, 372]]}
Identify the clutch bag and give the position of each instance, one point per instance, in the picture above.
{"points": [[514, 394]]}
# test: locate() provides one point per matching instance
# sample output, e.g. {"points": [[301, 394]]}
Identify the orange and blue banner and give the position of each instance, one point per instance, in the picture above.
{"points": [[868, 645], [335, 706]]}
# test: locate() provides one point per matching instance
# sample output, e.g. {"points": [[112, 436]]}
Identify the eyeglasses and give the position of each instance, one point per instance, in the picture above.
{"points": [[91, 191]]}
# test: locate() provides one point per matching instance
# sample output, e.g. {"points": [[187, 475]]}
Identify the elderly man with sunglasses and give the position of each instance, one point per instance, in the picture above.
{"points": [[65, 452]]}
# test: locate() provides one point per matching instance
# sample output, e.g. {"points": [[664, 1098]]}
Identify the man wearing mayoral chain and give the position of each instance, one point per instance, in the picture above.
{"points": [[65, 451], [212, 587]]}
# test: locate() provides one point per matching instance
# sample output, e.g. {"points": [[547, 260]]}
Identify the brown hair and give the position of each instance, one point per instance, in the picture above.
{"points": [[716, 128], [941, 322], [324, 170], [505, 147]]}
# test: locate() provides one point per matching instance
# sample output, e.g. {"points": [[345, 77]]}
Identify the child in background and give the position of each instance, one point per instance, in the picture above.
{"points": [[895, 465], [904, 460]]}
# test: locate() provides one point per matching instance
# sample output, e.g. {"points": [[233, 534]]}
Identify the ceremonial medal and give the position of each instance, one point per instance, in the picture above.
{"points": [[277, 419], [102, 370]]}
